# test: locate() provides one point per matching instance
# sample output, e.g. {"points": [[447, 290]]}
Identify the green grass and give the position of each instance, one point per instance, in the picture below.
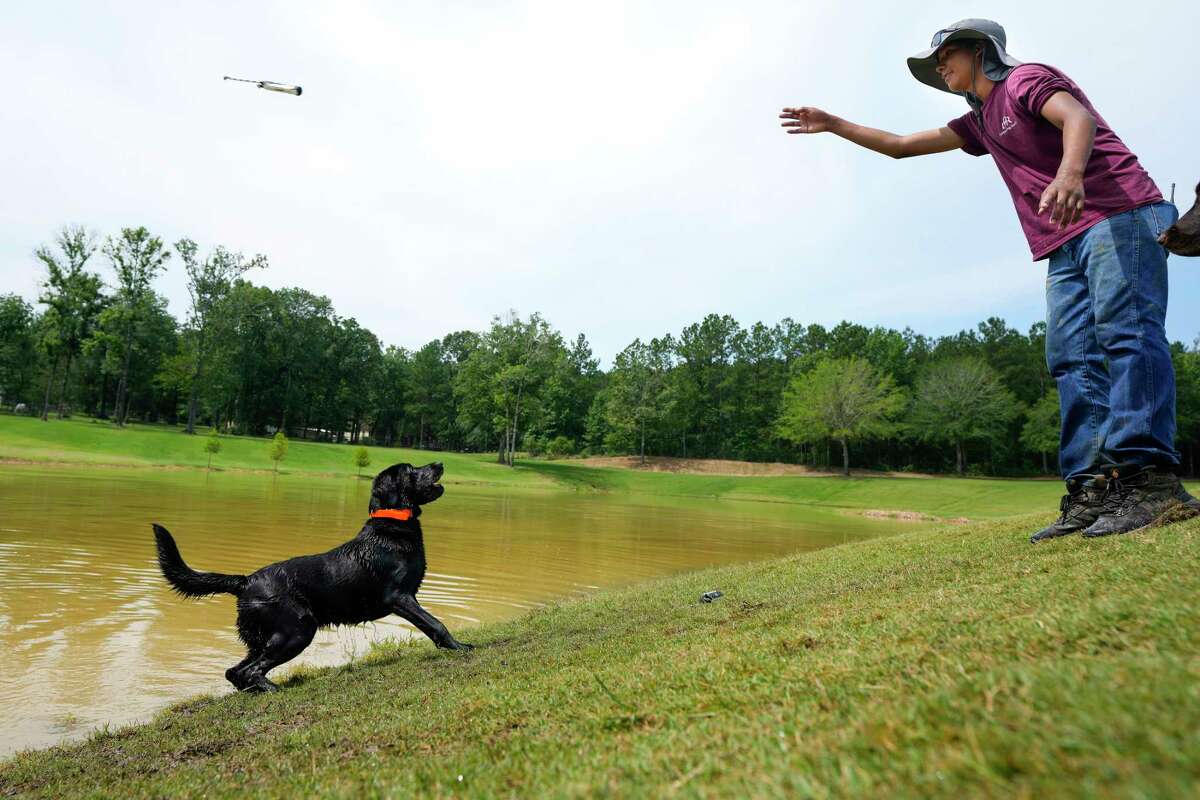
{"points": [[958, 661], [85, 441], [976, 498]]}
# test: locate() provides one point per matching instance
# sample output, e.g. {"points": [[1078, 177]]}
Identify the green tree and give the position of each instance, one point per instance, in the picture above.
{"points": [[1043, 427], [18, 349], [637, 392], [73, 299], [703, 387], [1187, 400], [362, 459], [758, 377], [959, 400], [246, 380], [499, 386], [303, 344], [389, 397], [571, 385], [212, 446], [279, 448], [208, 282], [142, 350], [136, 258], [428, 389], [844, 399]]}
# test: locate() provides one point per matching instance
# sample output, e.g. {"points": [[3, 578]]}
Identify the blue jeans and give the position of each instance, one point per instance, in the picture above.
{"points": [[1106, 344]]}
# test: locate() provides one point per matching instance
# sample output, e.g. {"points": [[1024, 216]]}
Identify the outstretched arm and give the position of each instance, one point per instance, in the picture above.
{"points": [[807, 119]]}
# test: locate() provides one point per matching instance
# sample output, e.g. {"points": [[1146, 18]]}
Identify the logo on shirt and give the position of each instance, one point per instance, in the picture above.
{"points": [[1006, 124]]}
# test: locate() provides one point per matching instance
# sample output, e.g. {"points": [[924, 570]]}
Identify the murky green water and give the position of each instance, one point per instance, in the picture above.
{"points": [[90, 634]]}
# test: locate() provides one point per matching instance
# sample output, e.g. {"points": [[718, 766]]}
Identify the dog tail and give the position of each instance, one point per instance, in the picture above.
{"points": [[184, 579]]}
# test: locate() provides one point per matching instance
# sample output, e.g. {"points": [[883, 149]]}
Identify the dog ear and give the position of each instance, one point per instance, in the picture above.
{"points": [[384, 489], [380, 490], [406, 481]]}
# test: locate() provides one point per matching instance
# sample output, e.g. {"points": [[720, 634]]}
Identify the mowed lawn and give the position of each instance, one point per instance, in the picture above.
{"points": [[974, 498], [83, 440], [86, 441], [953, 662]]}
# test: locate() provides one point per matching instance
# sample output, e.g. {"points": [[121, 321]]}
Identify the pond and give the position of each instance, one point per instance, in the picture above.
{"points": [[91, 635]]}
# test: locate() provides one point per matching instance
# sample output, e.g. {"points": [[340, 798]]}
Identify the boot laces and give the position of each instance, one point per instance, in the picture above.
{"points": [[1072, 504], [1122, 494]]}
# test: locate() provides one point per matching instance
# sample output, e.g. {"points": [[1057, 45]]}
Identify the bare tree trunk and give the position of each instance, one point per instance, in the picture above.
{"points": [[512, 448], [1045, 464], [845, 458], [643, 441], [191, 417], [103, 395], [196, 373], [122, 407], [958, 458], [62, 395], [287, 399], [49, 383]]}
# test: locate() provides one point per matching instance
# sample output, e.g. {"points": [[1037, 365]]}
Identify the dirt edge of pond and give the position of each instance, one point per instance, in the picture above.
{"points": [[717, 466], [908, 516]]}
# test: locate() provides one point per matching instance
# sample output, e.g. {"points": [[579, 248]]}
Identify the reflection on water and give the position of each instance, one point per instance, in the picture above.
{"points": [[90, 634]]}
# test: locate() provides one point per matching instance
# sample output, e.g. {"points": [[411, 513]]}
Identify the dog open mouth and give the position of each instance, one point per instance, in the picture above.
{"points": [[435, 489]]}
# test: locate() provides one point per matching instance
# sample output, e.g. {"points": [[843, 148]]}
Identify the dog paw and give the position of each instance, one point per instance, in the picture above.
{"points": [[462, 646]]}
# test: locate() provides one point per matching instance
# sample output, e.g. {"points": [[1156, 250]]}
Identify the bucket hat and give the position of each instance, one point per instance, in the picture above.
{"points": [[997, 63]]}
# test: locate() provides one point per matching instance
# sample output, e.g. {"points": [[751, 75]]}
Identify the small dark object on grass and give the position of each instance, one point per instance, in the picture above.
{"points": [[708, 597], [281, 606], [1183, 238]]}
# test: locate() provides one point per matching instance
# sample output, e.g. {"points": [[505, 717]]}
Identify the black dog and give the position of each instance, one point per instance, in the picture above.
{"points": [[375, 574], [1183, 238]]}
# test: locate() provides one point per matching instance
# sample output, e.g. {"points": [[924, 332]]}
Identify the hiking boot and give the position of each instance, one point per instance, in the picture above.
{"points": [[1080, 507], [1138, 496]]}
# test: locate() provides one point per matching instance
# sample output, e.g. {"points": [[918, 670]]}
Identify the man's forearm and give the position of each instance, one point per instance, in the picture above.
{"points": [[1079, 131], [871, 138]]}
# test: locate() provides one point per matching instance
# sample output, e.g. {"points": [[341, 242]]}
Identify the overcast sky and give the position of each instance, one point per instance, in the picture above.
{"points": [[616, 166]]}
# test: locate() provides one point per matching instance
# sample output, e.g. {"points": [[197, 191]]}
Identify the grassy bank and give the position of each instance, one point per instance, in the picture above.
{"points": [[83, 441], [957, 661], [86, 441], [975, 498]]}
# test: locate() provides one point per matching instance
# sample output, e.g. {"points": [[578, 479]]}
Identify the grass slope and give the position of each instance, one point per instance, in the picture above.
{"points": [[954, 662]]}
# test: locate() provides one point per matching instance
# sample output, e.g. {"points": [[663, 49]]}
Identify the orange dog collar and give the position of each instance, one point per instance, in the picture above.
{"points": [[402, 514]]}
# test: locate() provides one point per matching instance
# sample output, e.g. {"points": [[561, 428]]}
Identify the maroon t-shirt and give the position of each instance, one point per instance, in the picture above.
{"points": [[1028, 149]]}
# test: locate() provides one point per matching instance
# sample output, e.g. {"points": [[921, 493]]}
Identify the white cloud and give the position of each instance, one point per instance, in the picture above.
{"points": [[617, 167]]}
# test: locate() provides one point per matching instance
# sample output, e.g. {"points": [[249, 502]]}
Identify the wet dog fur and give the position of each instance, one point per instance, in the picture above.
{"points": [[281, 606]]}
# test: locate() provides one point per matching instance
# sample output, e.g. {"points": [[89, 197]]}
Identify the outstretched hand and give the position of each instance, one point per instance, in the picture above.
{"points": [[806, 119]]}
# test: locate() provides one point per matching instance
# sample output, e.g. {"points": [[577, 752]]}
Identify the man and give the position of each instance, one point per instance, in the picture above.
{"points": [[1106, 290]]}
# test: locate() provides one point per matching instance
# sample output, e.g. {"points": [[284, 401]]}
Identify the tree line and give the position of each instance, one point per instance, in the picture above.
{"points": [[252, 360]]}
